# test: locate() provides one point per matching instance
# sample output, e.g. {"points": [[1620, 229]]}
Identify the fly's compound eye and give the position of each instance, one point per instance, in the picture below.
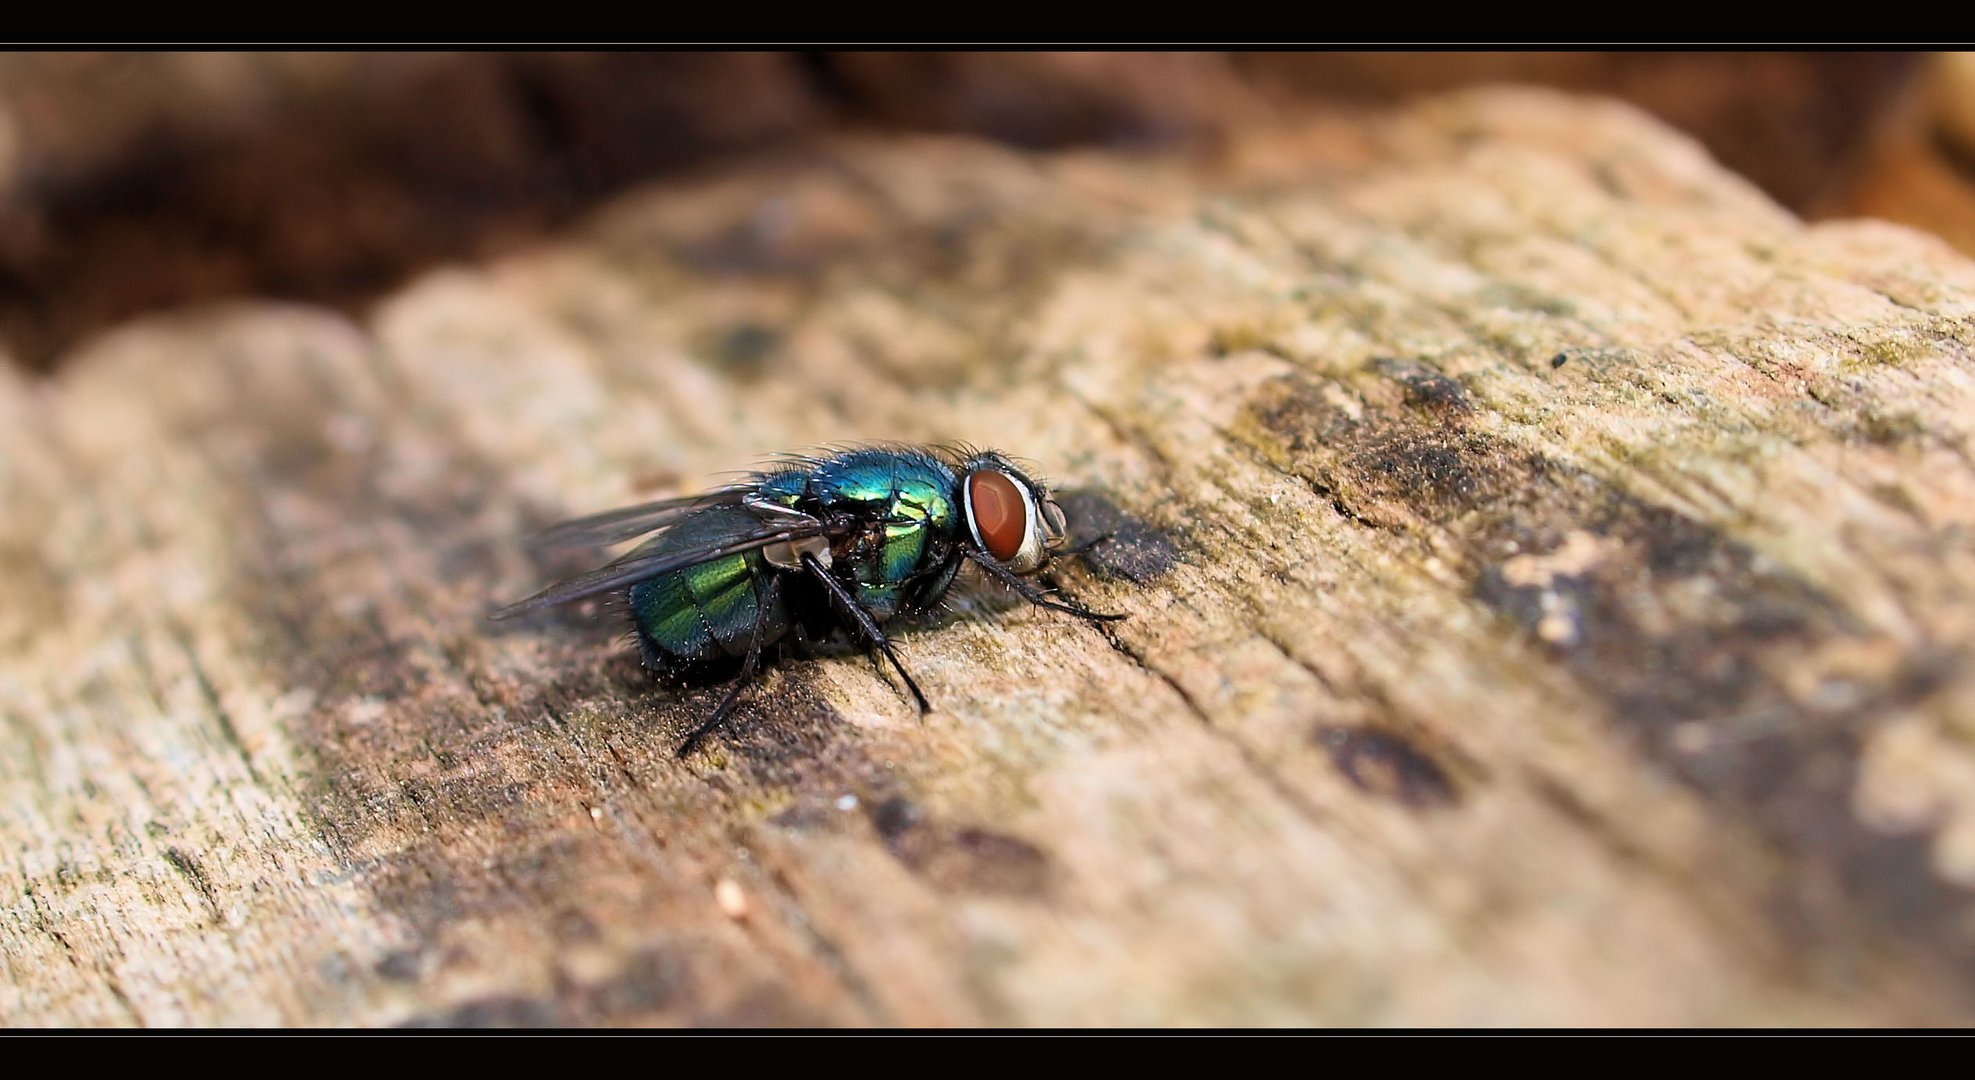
{"points": [[1002, 515]]}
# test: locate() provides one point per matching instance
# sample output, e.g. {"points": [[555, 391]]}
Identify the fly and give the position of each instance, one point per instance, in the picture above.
{"points": [[820, 549]]}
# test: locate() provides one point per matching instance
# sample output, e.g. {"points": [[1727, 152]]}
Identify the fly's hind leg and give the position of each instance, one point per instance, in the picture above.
{"points": [[865, 623], [765, 602]]}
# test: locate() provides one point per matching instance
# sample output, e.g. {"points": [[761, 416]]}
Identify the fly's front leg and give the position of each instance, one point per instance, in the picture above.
{"points": [[1034, 595], [865, 623]]}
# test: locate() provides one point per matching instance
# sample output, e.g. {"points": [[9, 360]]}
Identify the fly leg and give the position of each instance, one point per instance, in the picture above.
{"points": [[1034, 595], [863, 619], [764, 602]]}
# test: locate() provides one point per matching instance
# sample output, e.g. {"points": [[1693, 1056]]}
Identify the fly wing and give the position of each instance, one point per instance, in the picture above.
{"points": [[623, 523], [641, 563]]}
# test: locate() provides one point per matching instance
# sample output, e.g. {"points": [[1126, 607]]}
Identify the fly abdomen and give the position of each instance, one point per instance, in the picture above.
{"points": [[706, 613]]}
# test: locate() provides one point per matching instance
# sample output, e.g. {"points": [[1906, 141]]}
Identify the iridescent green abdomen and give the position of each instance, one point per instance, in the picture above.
{"points": [[705, 613]]}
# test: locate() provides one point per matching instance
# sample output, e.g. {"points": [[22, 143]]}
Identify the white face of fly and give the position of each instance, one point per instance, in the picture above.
{"points": [[1055, 527]]}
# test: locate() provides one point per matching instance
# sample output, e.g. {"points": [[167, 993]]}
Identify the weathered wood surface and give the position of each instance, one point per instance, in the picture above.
{"points": [[1549, 562]]}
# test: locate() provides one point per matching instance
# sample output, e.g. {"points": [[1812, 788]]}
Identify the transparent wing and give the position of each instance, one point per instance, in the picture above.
{"points": [[641, 563], [614, 526]]}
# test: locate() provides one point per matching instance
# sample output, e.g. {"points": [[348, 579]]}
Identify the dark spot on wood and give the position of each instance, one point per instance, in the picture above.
{"points": [[1386, 764], [960, 858], [401, 965], [1425, 387], [1601, 360], [894, 817], [1434, 471], [1425, 461], [1137, 551], [1225, 341], [743, 350]]}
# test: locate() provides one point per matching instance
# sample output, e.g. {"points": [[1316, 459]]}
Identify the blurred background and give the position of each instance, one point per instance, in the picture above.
{"points": [[138, 182]]}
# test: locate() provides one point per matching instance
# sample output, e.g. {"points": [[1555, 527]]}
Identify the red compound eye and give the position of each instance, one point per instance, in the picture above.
{"points": [[1000, 513]]}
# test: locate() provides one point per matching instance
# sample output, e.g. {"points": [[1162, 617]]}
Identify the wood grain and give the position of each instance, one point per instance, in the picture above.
{"points": [[1549, 566]]}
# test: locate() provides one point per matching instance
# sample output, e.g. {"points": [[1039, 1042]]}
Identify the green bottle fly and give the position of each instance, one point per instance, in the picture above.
{"points": [[821, 548]]}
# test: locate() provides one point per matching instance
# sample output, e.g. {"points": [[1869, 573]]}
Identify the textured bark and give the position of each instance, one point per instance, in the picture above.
{"points": [[1548, 562]]}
